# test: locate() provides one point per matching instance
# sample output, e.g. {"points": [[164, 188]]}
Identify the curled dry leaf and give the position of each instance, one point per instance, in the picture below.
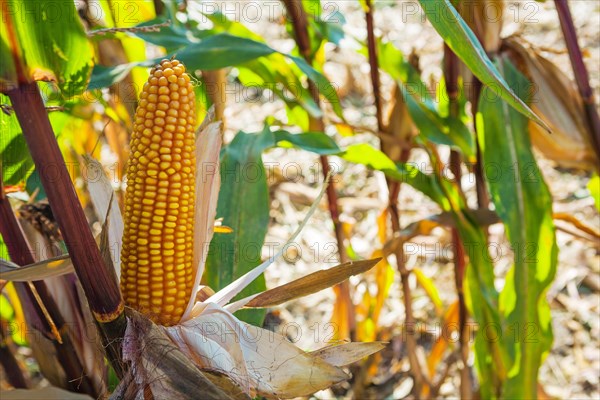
{"points": [[159, 366], [52, 267], [311, 283], [399, 125], [347, 353], [558, 102], [208, 182], [101, 193], [260, 361]]}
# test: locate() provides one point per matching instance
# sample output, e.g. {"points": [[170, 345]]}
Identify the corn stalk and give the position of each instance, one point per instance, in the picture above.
{"points": [[416, 369], [297, 14], [451, 80], [96, 278]]}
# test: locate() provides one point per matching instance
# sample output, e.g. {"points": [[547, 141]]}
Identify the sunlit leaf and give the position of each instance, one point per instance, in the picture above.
{"points": [[244, 206], [46, 44], [216, 52], [377, 160], [421, 107], [461, 39], [316, 142], [430, 288], [524, 204], [15, 159]]}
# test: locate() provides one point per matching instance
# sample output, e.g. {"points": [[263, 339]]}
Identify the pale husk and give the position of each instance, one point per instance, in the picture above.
{"points": [[261, 361], [208, 183], [557, 101]]}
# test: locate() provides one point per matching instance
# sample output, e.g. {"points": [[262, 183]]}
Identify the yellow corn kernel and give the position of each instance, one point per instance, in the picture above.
{"points": [[155, 177]]}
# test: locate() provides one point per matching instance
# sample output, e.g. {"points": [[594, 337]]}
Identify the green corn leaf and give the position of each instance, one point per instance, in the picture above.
{"points": [[482, 297], [220, 51], [461, 39], [49, 43], [244, 206], [421, 107], [277, 74], [17, 164], [524, 204], [14, 155], [316, 142], [377, 160]]}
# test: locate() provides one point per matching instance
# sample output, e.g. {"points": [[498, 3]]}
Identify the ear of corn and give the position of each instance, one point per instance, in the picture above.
{"points": [[157, 274]]}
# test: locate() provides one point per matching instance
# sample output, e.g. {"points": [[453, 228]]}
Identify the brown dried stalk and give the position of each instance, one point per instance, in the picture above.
{"points": [[451, 78], [297, 15], [99, 285], [14, 373], [416, 368]]}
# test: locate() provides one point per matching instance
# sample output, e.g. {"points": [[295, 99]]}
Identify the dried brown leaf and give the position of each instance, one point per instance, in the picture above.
{"points": [[159, 366], [101, 193], [399, 125], [347, 353], [558, 102], [311, 283], [52, 267]]}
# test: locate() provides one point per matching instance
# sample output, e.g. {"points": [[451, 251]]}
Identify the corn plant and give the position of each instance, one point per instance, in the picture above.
{"points": [[159, 300]]}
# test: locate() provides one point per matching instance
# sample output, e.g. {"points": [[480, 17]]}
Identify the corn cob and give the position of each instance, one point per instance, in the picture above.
{"points": [[157, 253]]}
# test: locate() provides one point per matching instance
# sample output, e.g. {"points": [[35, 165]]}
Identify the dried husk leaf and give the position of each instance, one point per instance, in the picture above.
{"points": [[258, 360], [56, 266], [117, 139], [159, 366], [399, 125], [216, 82], [558, 102], [79, 327], [311, 283], [52, 267], [208, 182], [347, 353], [101, 194]]}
